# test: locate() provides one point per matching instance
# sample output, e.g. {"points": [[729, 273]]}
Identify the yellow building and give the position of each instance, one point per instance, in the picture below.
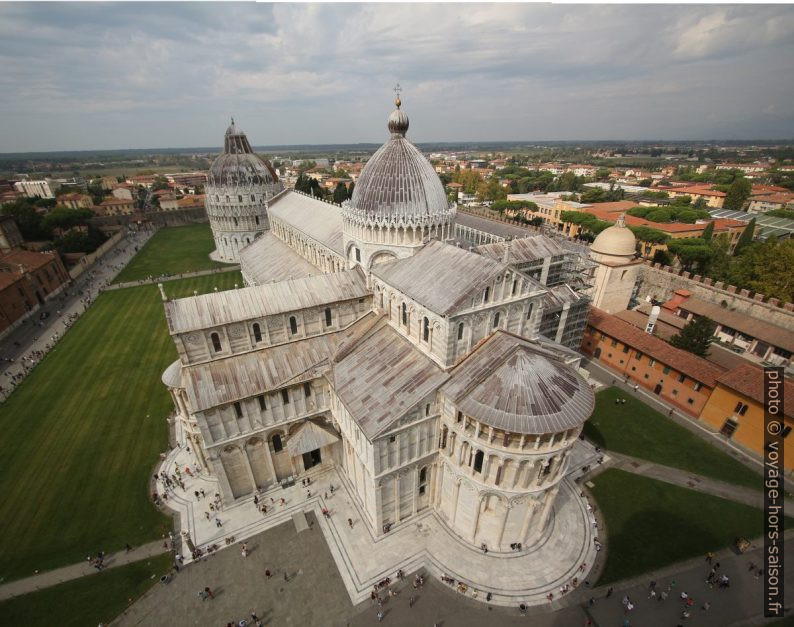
{"points": [[736, 408]]}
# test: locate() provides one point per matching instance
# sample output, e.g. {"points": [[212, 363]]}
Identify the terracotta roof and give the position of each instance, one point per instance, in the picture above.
{"points": [[749, 380], [695, 189], [31, 260], [755, 327], [691, 365], [619, 206]]}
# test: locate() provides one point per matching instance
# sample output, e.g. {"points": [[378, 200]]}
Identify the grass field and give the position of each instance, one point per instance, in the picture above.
{"points": [[635, 429], [88, 600], [172, 251], [651, 524], [84, 430]]}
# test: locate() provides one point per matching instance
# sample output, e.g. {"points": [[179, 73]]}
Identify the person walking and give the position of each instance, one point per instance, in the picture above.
{"points": [[209, 592], [380, 615], [350, 522]]}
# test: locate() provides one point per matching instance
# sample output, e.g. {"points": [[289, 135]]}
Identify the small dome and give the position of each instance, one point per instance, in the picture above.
{"points": [[172, 376], [617, 240], [398, 181], [238, 164]]}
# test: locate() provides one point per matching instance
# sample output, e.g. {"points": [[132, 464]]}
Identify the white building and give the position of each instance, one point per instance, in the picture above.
{"points": [[239, 186], [37, 189], [366, 341]]}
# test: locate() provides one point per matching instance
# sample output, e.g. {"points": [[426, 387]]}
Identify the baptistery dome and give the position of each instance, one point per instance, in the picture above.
{"points": [[239, 185], [238, 164]]}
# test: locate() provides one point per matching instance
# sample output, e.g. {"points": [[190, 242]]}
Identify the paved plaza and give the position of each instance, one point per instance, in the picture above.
{"points": [[565, 552]]}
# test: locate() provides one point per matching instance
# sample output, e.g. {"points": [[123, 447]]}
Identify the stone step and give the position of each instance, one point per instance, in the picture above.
{"points": [[299, 518]]}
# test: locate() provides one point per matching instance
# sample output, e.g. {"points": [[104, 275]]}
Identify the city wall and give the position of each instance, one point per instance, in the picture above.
{"points": [[659, 282]]}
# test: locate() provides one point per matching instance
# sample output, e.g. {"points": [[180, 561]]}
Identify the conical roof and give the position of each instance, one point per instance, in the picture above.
{"points": [[398, 181], [238, 164], [529, 392]]}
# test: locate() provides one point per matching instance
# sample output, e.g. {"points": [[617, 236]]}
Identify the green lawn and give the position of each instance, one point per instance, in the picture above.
{"points": [[88, 600], [172, 251], [635, 429], [651, 524], [84, 431]]}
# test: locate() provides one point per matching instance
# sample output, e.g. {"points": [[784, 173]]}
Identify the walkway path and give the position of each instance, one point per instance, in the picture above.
{"points": [[24, 348], [171, 277], [699, 483], [608, 378], [67, 573]]}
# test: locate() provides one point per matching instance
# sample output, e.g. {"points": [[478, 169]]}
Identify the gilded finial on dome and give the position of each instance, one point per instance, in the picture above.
{"points": [[397, 90]]}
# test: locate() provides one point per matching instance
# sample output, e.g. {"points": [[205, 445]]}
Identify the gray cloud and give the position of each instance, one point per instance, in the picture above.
{"points": [[80, 76]]}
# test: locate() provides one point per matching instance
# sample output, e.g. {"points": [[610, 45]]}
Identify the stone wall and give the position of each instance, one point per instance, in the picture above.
{"points": [[88, 260], [659, 282]]}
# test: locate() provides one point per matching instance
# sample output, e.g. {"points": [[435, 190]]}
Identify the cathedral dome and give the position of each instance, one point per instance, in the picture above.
{"points": [[238, 164], [398, 181], [617, 240]]}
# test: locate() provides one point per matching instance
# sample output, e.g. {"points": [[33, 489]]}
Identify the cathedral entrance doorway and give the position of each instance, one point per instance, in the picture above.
{"points": [[312, 459]]}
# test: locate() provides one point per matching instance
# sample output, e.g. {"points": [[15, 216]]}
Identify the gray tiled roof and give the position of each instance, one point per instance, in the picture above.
{"points": [[382, 377], [501, 229], [268, 259], [319, 220], [523, 249], [517, 386], [219, 308], [441, 277]]}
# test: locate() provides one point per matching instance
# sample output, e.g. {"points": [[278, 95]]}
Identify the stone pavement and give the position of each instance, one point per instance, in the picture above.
{"points": [[67, 573], [424, 542]]}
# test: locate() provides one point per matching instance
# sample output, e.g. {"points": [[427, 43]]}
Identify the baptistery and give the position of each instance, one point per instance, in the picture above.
{"points": [[240, 184]]}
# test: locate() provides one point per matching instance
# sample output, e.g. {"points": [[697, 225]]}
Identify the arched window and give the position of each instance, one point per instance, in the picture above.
{"points": [[404, 310], [487, 295], [515, 285], [496, 320], [425, 329], [529, 311], [328, 316], [235, 221], [216, 342], [423, 475], [253, 199], [358, 255], [460, 331], [460, 417], [277, 446], [293, 325], [257, 332], [255, 217], [498, 477], [239, 199], [478, 458]]}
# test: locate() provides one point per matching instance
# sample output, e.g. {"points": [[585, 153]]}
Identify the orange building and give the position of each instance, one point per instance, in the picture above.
{"points": [[736, 409], [678, 377]]}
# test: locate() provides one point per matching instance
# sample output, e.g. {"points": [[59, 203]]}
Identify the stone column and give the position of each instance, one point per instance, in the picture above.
{"points": [[455, 497], [415, 489], [200, 452], [502, 527], [396, 488], [271, 468], [544, 516], [528, 516], [249, 469], [476, 519]]}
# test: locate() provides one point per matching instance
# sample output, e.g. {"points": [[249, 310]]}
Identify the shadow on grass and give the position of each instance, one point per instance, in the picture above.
{"points": [[653, 539]]}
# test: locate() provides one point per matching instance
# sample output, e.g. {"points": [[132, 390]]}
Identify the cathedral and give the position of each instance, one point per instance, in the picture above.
{"points": [[434, 371]]}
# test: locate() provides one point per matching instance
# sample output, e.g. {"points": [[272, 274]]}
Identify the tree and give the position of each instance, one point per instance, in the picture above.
{"points": [[645, 182], [696, 336], [27, 218], [700, 203], [692, 252], [737, 194], [745, 238], [63, 218], [340, 193], [708, 232], [662, 257]]}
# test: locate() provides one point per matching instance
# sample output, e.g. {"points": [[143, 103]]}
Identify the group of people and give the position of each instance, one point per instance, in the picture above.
{"points": [[21, 365]]}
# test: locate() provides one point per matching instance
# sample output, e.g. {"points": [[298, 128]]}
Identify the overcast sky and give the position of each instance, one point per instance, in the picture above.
{"points": [[104, 76]]}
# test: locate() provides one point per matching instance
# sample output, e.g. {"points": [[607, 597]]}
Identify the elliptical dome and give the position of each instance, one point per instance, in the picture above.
{"points": [[398, 181], [238, 164]]}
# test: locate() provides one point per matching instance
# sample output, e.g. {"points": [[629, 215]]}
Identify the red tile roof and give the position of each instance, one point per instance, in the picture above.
{"points": [[31, 260], [749, 380], [691, 365]]}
